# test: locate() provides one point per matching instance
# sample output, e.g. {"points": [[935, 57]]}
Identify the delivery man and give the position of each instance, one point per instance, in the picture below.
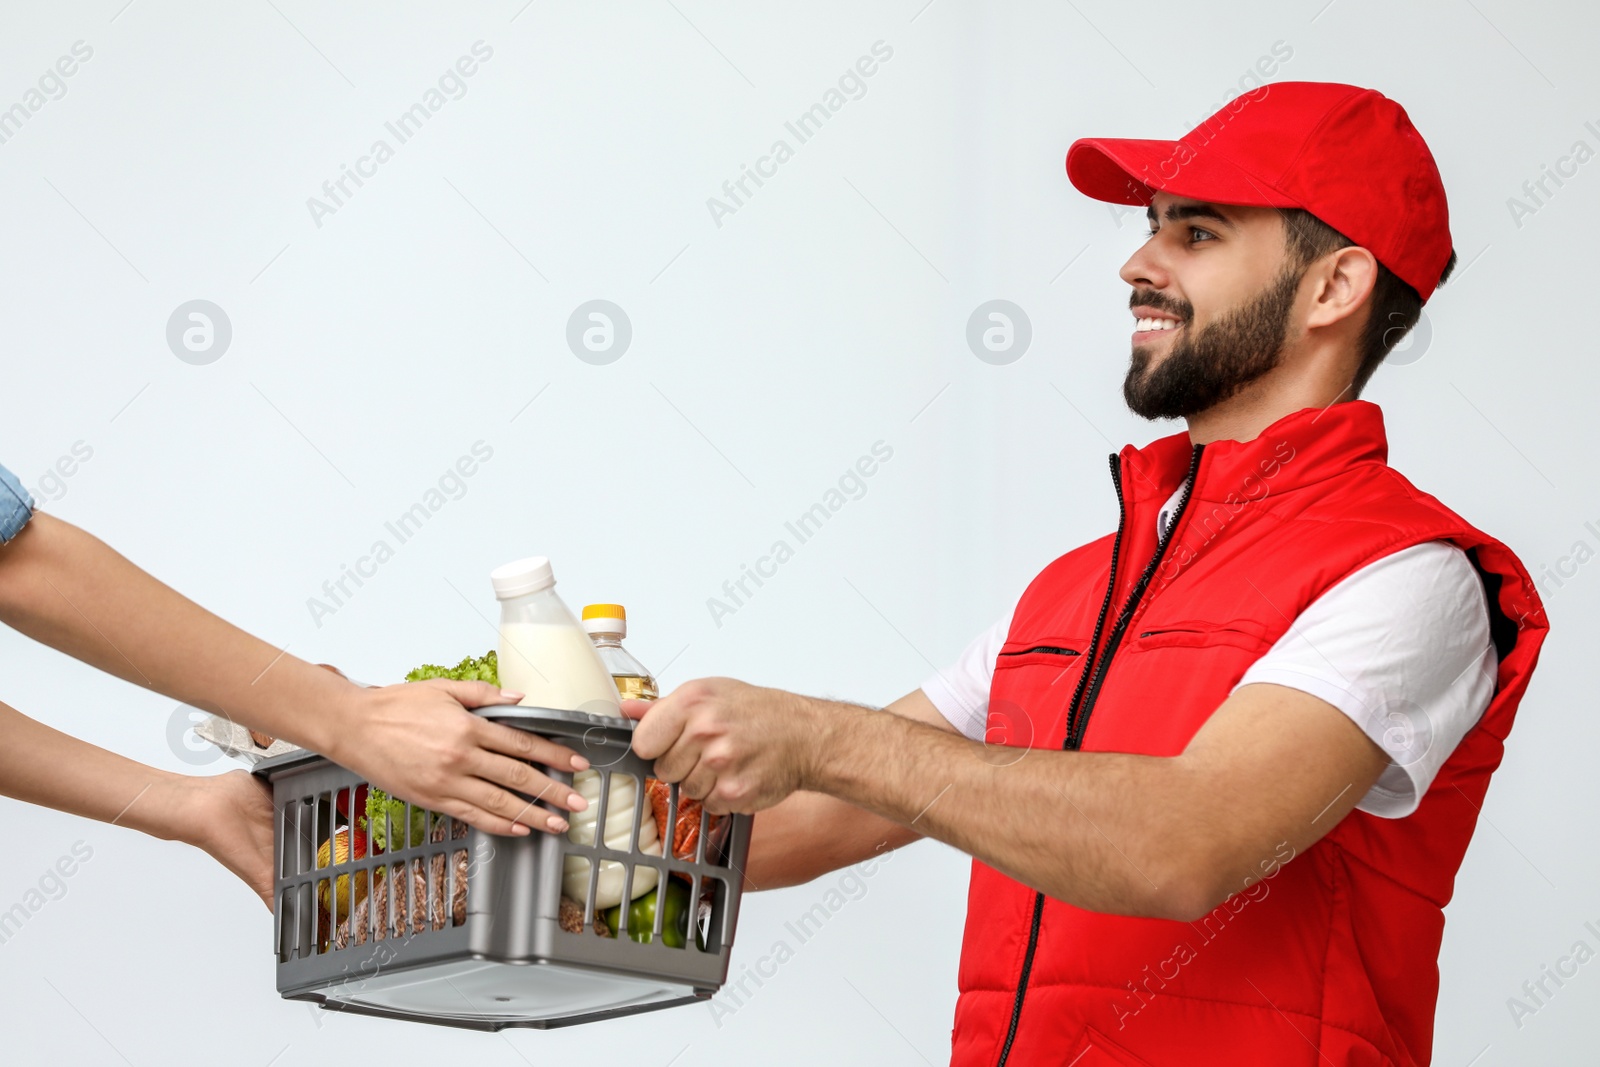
{"points": [[1218, 770]]}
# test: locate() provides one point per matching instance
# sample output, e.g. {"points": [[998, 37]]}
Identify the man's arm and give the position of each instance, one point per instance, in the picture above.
{"points": [[67, 589], [810, 834], [1272, 770]]}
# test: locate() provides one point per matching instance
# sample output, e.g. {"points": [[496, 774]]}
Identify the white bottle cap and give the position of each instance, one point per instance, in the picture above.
{"points": [[522, 577]]}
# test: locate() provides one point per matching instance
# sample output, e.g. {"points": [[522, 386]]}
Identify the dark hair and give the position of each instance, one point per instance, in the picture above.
{"points": [[1394, 307]]}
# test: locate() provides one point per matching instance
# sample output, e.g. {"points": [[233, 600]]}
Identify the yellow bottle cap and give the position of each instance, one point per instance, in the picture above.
{"points": [[604, 611]]}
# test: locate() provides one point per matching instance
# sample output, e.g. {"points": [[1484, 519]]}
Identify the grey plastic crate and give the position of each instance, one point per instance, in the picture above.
{"points": [[494, 955]]}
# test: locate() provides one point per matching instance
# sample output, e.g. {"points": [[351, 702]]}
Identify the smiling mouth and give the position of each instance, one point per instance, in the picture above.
{"points": [[1148, 328]]}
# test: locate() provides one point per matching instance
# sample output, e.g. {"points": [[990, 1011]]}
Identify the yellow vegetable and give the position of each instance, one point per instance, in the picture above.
{"points": [[339, 848]]}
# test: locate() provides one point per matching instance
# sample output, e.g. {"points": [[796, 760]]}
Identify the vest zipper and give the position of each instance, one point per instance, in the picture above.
{"points": [[1078, 719], [1075, 730], [1077, 691]]}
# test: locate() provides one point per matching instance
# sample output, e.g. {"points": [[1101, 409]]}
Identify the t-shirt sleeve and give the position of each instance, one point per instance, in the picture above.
{"points": [[16, 506], [1402, 647], [961, 690]]}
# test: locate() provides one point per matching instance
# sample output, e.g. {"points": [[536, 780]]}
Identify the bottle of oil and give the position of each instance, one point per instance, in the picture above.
{"points": [[607, 625]]}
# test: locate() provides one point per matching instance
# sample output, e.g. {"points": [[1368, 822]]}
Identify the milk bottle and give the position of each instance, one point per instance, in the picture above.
{"points": [[607, 624], [544, 653]]}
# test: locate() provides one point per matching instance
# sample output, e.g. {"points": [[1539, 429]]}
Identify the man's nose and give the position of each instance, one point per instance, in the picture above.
{"points": [[1144, 269]]}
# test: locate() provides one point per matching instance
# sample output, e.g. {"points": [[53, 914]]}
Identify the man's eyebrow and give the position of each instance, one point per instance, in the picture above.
{"points": [[1175, 212]]}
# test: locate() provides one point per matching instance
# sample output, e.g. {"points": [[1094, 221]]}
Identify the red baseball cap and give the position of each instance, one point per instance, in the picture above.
{"points": [[1348, 155]]}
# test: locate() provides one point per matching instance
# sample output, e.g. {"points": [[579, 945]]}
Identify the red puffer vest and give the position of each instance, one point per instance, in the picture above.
{"points": [[1128, 645]]}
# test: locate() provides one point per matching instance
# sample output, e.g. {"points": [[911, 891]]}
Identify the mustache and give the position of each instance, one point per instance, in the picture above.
{"points": [[1161, 302]]}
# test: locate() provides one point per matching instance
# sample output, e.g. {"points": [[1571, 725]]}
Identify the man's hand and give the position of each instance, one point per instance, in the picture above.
{"points": [[1271, 772], [734, 746], [418, 741]]}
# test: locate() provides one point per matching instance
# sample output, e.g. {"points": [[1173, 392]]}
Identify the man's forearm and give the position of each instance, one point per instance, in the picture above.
{"points": [[1087, 828], [809, 835], [1270, 772], [70, 590]]}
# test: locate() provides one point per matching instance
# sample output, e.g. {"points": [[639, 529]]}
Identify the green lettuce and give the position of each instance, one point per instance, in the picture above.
{"points": [[486, 668]]}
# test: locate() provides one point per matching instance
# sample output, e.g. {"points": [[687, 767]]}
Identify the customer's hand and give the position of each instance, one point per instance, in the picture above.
{"points": [[418, 741], [230, 817], [69, 590]]}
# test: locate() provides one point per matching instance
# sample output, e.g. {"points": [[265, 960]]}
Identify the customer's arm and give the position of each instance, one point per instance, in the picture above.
{"points": [[229, 815], [67, 589]]}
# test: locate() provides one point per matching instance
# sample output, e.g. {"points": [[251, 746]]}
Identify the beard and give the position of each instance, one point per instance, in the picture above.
{"points": [[1214, 363]]}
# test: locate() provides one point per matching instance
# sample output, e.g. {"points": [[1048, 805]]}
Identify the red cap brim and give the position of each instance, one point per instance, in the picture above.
{"points": [[1120, 171]]}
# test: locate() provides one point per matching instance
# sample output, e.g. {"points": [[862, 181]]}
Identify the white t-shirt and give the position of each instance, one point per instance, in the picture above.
{"points": [[1401, 646]]}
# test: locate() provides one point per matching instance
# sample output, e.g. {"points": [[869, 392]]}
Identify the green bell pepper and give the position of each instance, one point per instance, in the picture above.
{"points": [[642, 916]]}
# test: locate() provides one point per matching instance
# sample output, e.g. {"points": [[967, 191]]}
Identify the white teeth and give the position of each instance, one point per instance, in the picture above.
{"points": [[1155, 324]]}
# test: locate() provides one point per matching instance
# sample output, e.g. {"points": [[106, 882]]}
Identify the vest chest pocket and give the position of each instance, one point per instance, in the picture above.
{"points": [[1062, 654], [1032, 687], [1238, 633]]}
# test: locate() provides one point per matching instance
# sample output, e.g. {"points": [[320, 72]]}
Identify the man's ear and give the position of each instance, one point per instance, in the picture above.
{"points": [[1342, 282]]}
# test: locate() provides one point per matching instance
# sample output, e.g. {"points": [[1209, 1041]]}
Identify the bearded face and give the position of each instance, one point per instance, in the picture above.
{"points": [[1202, 368]]}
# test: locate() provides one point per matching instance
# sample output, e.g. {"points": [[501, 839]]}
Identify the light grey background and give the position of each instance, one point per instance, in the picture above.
{"points": [[827, 313]]}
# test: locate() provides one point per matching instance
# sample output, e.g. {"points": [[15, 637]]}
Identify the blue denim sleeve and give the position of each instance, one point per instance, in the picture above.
{"points": [[16, 506]]}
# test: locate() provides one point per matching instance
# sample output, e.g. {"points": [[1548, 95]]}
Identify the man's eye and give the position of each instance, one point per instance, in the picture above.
{"points": [[1195, 231], [1151, 232]]}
